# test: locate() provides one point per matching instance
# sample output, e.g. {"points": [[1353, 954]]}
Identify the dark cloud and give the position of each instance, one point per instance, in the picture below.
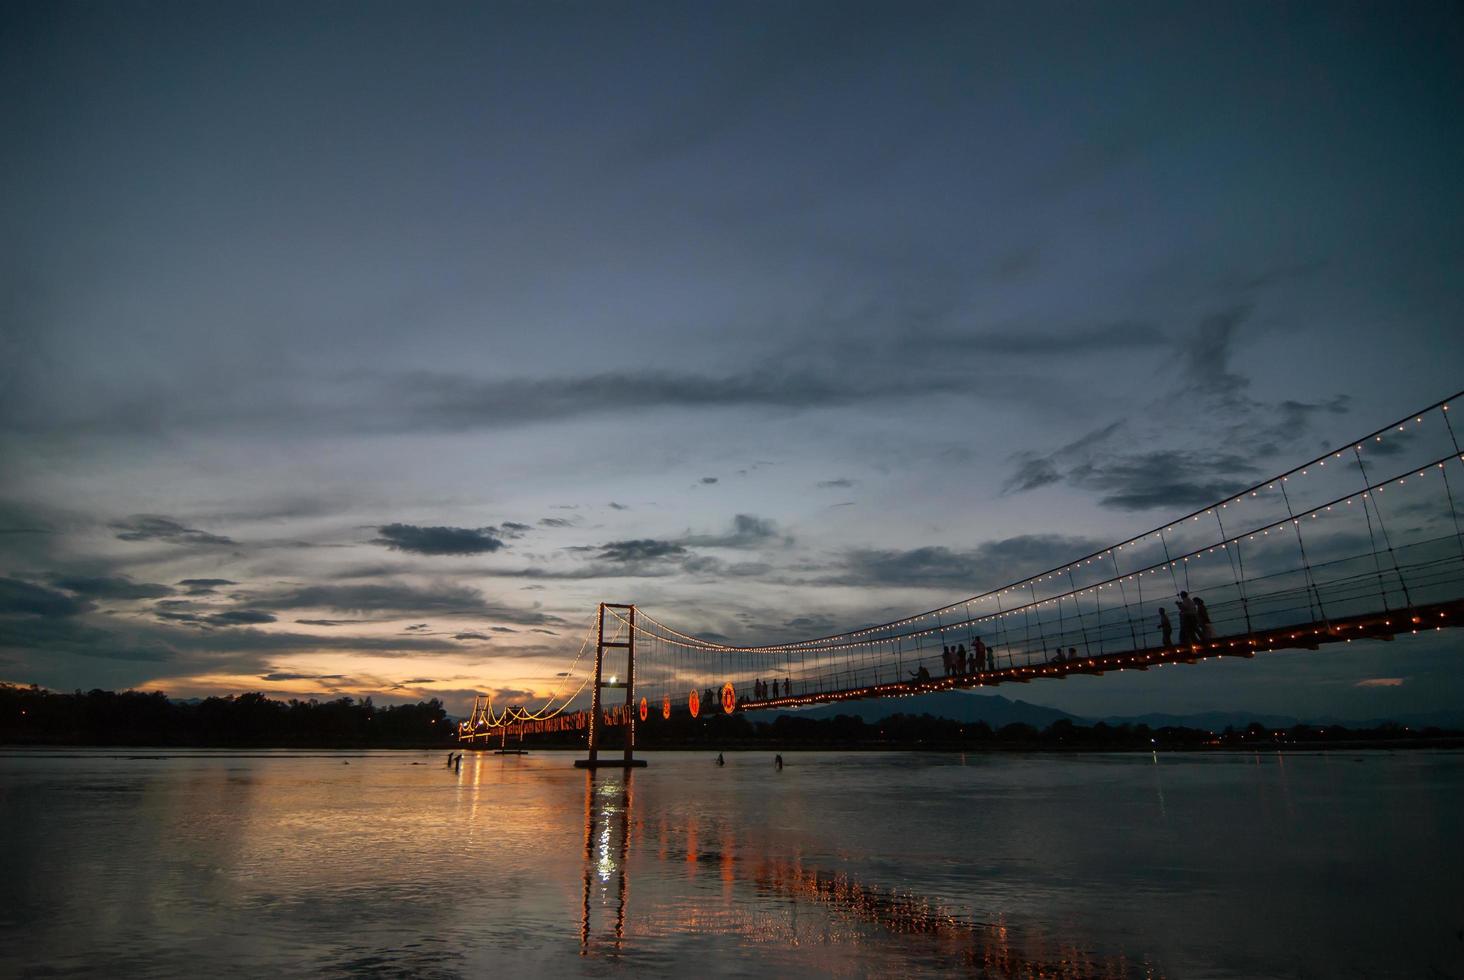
{"points": [[1261, 429], [1165, 478], [45, 638], [513, 529], [821, 625], [23, 519], [471, 636], [240, 617], [331, 622], [641, 550], [439, 540], [1031, 474], [555, 522], [123, 653], [419, 680], [415, 628], [455, 402], [614, 506], [394, 597], [659, 557], [110, 587], [747, 531], [205, 586], [19, 598], [452, 402], [1175, 478], [1097, 339], [842, 481], [1034, 471], [149, 527], [503, 629], [708, 479], [1205, 356], [986, 566]]}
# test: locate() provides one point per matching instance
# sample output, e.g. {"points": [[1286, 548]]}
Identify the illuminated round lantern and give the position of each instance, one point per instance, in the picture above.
{"points": [[666, 706], [693, 703], [643, 711], [729, 698]]}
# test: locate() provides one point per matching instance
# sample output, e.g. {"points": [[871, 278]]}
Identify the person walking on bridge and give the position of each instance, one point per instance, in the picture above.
{"points": [[1165, 627], [1203, 628], [1188, 614]]}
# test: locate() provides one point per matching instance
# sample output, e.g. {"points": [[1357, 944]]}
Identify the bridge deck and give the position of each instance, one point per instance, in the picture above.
{"points": [[1308, 636]]}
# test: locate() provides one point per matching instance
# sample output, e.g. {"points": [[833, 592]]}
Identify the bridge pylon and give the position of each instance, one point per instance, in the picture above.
{"points": [[597, 719]]}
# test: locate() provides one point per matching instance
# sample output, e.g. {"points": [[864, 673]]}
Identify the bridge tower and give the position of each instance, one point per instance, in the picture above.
{"points": [[597, 720]]}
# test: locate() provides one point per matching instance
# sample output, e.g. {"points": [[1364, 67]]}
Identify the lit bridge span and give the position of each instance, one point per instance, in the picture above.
{"points": [[1362, 542]]}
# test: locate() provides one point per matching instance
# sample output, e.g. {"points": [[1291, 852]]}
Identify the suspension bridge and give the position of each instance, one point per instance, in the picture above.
{"points": [[1362, 542]]}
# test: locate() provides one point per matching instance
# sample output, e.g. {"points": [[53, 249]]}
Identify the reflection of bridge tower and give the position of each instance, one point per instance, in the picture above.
{"points": [[607, 849], [597, 717]]}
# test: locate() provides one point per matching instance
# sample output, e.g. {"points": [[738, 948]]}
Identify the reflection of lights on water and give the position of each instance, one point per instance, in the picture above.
{"points": [[607, 864]]}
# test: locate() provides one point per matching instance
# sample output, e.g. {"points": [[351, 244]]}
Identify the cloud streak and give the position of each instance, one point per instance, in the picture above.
{"points": [[440, 540], [150, 527]]}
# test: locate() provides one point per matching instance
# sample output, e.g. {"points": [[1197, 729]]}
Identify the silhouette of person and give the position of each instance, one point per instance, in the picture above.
{"points": [[721, 761], [1165, 627], [1187, 615], [1072, 653], [945, 660], [778, 761], [1202, 620], [961, 659]]}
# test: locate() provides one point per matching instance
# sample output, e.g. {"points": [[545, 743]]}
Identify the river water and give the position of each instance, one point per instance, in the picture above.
{"points": [[166, 863]]}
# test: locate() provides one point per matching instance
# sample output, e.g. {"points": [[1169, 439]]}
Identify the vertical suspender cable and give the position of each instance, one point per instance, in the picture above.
{"points": [[1123, 593], [1387, 543], [1305, 562]]}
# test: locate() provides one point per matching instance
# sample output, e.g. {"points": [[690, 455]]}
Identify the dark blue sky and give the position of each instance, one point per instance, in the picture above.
{"points": [[375, 315]]}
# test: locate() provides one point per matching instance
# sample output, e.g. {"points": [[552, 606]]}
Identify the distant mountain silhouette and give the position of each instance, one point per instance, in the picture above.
{"points": [[1215, 721], [961, 706], [996, 711]]}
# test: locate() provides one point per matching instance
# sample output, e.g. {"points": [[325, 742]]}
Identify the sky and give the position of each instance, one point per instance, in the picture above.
{"points": [[360, 349]]}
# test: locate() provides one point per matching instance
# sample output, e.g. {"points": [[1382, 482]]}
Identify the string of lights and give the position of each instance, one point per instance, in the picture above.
{"points": [[485, 716]]}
